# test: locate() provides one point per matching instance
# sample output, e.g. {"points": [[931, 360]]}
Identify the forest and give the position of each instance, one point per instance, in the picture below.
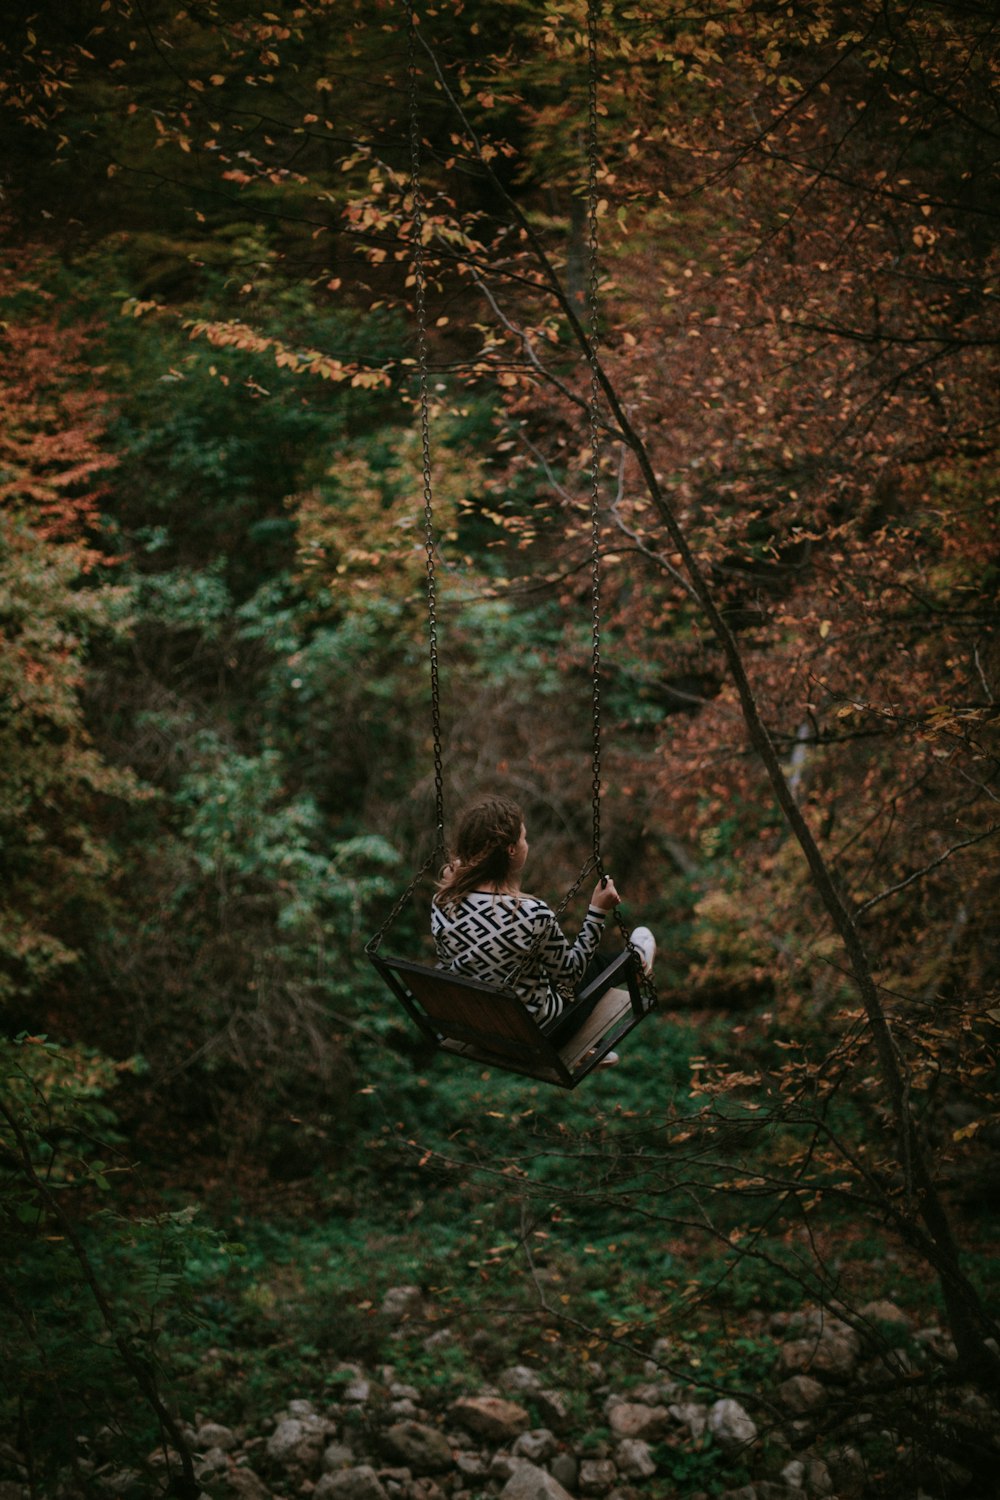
{"points": [[589, 401]]}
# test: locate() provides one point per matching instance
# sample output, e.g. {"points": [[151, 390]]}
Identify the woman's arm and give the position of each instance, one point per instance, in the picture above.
{"points": [[565, 963]]}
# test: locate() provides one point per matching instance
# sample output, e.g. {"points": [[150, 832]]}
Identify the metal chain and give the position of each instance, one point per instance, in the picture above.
{"points": [[594, 413], [594, 862], [420, 300], [375, 941], [593, 15]]}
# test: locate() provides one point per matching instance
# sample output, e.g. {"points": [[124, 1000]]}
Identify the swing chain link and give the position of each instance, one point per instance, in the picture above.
{"points": [[594, 414], [594, 404], [420, 299]]}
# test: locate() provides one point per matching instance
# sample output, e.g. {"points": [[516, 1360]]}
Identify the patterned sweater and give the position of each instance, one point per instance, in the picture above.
{"points": [[486, 936]]}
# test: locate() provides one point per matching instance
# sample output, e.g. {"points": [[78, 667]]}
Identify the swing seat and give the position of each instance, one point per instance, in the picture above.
{"points": [[489, 1025]]}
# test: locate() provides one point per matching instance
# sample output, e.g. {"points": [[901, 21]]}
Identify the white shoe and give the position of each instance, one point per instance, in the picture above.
{"points": [[645, 943], [609, 1060]]}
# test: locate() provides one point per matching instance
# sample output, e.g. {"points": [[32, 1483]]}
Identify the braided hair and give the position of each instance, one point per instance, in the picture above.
{"points": [[481, 853]]}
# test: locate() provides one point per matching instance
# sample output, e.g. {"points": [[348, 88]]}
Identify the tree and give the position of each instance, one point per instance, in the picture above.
{"points": [[54, 782]]}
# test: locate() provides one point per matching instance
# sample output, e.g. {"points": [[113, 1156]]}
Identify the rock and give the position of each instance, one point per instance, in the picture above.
{"points": [[818, 1481], [537, 1446], [470, 1465], [597, 1476], [490, 1417], [159, 1458], [422, 1489], [801, 1394], [400, 1392], [886, 1368], [301, 1409], [122, 1482], [531, 1483], [648, 1395], [400, 1483], [357, 1391], [553, 1408], [503, 1464], [296, 1442], [884, 1311], [404, 1409], [794, 1474], [337, 1456], [244, 1484], [565, 1468], [632, 1419], [634, 1459], [361, 1483], [214, 1461], [401, 1302], [939, 1343], [423, 1449], [212, 1435], [519, 1379], [832, 1351], [731, 1427], [692, 1415], [660, 1354]]}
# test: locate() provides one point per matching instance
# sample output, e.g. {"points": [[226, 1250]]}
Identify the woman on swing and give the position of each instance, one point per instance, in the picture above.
{"points": [[485, 927]]}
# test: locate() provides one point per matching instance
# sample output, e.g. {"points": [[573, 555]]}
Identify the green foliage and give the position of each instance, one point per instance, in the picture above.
{"points": [[213, 442], [81, 1279], [53, 780]]}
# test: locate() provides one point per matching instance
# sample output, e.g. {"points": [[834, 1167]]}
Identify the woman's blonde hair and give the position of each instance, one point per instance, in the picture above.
{"points": [[482, 849]]}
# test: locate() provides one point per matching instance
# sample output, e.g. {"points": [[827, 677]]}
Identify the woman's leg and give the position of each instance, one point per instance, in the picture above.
{"points": [[572, 1016], [562, 1027]]}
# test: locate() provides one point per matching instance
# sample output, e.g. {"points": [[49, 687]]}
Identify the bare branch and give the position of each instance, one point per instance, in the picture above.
{"points": [[934, 864]]}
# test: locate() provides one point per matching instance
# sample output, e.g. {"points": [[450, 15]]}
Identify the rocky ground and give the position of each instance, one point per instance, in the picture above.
{"points": [[809, 1433]]}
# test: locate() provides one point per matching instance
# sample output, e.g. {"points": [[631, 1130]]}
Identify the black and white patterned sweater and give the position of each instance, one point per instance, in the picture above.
{"points": [[486, 936]]}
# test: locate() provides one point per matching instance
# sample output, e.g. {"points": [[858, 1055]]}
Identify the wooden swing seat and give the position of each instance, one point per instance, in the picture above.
{"points": [[484, 1024]]}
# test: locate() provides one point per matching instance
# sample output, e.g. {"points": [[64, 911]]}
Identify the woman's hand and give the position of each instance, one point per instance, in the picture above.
{"points": [[605, 895]]}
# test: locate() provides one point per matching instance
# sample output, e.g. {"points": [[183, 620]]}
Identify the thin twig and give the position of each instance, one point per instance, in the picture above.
{"points": [[926, 869]]}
